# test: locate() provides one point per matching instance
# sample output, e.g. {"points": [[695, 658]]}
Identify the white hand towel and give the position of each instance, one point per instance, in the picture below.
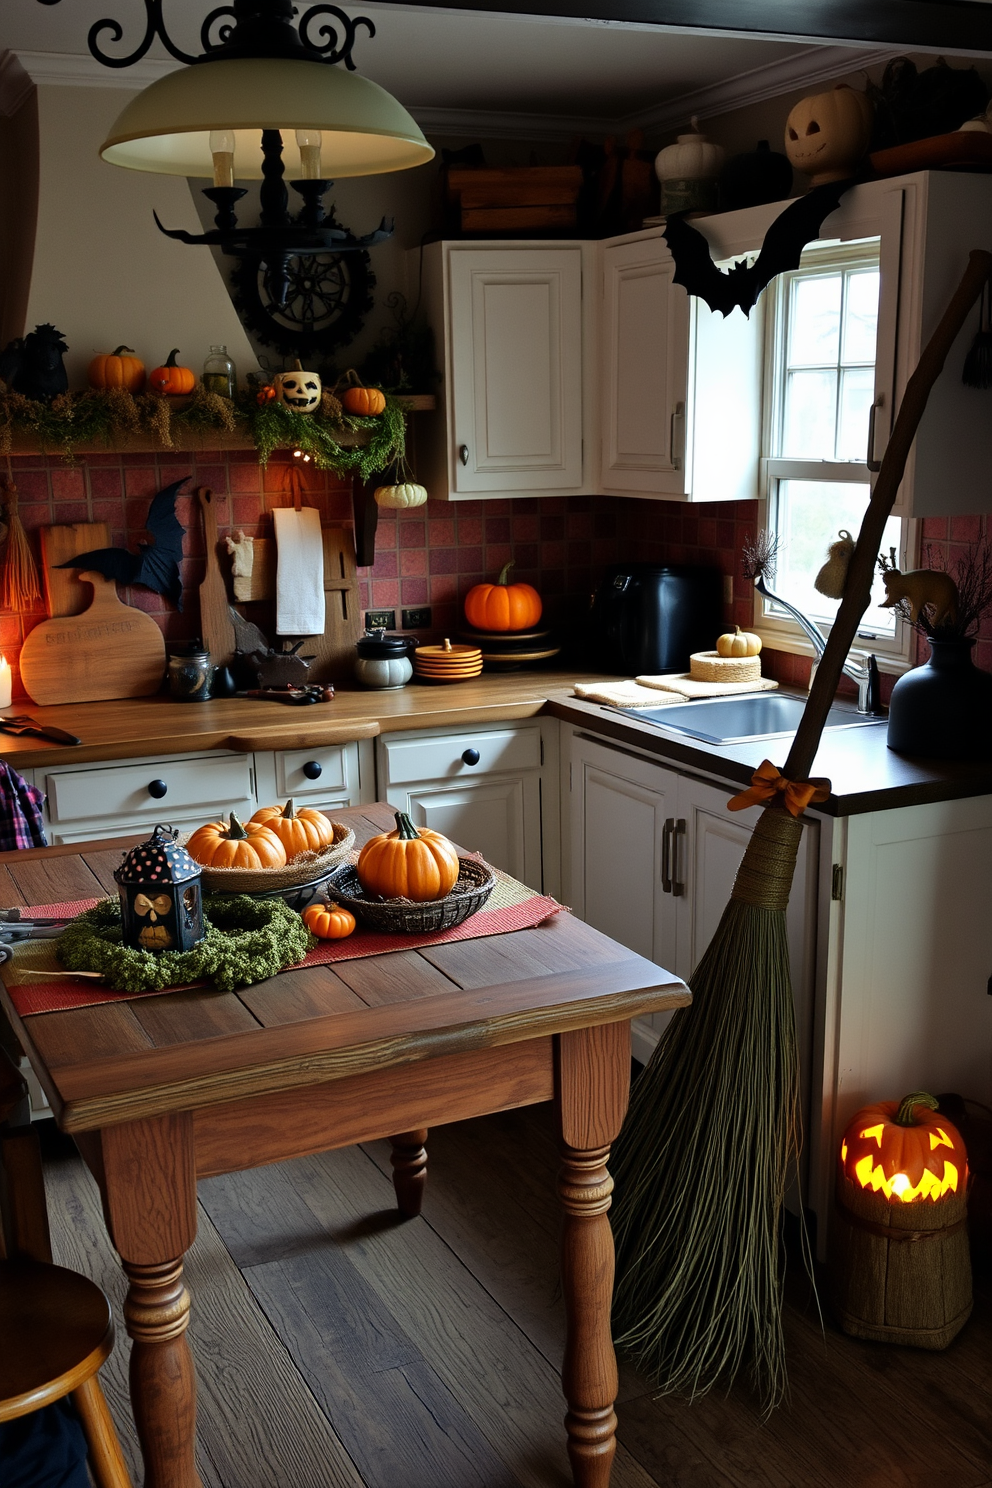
{"points": [[299, 572]]}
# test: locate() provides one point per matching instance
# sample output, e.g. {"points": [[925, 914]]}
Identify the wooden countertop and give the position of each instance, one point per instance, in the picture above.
{"points": [[865, 775]]}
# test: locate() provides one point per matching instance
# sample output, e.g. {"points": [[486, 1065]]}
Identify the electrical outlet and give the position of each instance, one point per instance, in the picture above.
{"points": [[728, 589], [417, 619], [380, 619]]}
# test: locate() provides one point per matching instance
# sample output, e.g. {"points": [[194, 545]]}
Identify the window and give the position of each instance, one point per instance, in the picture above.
{"points": [[819, 392]]}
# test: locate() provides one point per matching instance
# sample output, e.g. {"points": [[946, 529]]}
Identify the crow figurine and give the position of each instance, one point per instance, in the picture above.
{"points": [[34, 366], [156, 564]]}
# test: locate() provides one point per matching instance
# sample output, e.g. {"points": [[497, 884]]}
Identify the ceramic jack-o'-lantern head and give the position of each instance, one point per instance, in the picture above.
{"points": [[298, 389], [159, 887], [905, 1151], [827, 134]]}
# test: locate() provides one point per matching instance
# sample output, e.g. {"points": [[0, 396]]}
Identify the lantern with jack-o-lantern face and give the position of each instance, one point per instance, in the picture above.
{"points": [[161, 903], [827, 135], [299, 390]]}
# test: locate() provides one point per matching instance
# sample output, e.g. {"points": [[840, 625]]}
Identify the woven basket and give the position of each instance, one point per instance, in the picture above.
{"points": [[708, 666], [306, 868], [474, 884]]}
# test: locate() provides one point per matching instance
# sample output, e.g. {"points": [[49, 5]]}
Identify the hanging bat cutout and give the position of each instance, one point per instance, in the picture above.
{"points": [[156, 564], [784, 242]]}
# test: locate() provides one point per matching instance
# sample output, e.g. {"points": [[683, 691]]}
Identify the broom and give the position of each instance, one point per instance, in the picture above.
{"points": [[701, 1163], [18, 572]]}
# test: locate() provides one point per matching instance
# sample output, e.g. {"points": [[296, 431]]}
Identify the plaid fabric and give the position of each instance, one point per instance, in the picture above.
{"points": [[20, 812]]}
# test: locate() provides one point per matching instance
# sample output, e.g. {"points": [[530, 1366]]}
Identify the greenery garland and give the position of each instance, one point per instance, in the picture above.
{"points": [[246, 940], [114, 416]]}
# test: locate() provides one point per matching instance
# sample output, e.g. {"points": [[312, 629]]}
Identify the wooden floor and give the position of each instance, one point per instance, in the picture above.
{"points": [[337, 1348]]}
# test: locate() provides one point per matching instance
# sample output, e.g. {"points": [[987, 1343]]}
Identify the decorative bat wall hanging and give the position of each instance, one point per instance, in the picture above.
{"points": [[156, 564], [784, 242]]}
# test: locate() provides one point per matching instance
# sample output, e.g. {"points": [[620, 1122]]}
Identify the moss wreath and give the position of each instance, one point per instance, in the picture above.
{"points": [[245, 941]]}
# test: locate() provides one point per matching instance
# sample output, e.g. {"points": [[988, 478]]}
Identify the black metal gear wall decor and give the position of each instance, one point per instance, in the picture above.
{"points": [[327, 297]]}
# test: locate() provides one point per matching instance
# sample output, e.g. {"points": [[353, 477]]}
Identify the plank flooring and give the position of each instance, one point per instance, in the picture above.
{"points": [[338, 1347]]}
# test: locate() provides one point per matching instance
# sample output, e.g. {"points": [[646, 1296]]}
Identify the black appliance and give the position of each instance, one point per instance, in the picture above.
{"points": [[650, 617]]}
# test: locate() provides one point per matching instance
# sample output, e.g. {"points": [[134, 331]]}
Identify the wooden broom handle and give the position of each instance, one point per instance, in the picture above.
{"points": [[857, 588]]}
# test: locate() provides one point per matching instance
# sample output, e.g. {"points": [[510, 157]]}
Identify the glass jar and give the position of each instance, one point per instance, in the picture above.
{"points": [[219, 375], [190, 672]]}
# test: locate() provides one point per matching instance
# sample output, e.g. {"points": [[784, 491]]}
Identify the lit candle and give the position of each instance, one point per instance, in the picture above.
{"points": [[222, 150], [309, 141], [5, 682]]}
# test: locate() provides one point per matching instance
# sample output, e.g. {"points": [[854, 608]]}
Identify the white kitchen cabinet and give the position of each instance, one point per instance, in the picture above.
{"points": [[323, 776], [492, 790], [512, 336]]}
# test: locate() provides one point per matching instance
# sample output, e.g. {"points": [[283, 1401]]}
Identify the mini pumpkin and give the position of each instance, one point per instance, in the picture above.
{"points": [[231, 845], [171, 378], [117, 370], [328, 921], [503, 606], [408, 493], [738, 642], [408, 863], [266, 394], [298, 389], [905, 1150], [366, 401], [827, 134], [306, 830]]}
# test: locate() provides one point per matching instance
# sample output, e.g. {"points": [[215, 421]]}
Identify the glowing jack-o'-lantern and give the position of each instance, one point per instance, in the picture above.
{"points": [[299, 390], [905, 1151], [827, 135]]}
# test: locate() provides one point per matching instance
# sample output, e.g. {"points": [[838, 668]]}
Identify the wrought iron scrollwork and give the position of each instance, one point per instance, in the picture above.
{"points": [[329, 51], [154, 26], [225, 33]]}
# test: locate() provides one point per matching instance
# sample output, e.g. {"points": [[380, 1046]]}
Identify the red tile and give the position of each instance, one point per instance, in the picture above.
{"points": [[68, 485], [525, 528], [497, 554], [385, 565], [443, 587], [469, 560], [443, 561], [525, 556], [441, 534], [70, 511], [966, 529], [552, 525], [385, 532], [385, 593], [413, 561], [579, 524], [32, 485], [106, 485], [414, 591], [470, 532], [412, 534], [552, 555], [497, 529], [578, 554], [243, 511], [244, 478]]}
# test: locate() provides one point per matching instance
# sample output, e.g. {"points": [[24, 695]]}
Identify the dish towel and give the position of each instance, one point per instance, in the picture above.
{"points": [[299, 572], [690, 687]]}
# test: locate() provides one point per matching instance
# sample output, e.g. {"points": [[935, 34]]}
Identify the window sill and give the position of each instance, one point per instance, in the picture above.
{"points": [[893, 666]]}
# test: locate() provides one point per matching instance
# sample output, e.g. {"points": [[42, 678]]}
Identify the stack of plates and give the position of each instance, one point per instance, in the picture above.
{"points": [[506, 649], [447, 663]]}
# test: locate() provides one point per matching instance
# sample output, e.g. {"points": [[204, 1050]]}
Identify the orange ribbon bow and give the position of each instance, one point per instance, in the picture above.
{"points": [[767, 783]]}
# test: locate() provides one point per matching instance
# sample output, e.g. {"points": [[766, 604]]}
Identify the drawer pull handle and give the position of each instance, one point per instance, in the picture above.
{"points": [[313, 769], [471, 757], [157, 789], [667, 833]]}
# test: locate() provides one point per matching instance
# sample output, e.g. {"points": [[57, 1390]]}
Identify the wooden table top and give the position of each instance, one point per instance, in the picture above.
{"points": [[124, 1060]]}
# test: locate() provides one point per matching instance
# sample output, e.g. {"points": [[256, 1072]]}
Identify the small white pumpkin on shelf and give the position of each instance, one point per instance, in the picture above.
{"points": [[405, 492]]}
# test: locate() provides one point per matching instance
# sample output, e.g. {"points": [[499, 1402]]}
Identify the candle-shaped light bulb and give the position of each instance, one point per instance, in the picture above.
{"points": [[5, 682], [309, 141], [222, 150]]}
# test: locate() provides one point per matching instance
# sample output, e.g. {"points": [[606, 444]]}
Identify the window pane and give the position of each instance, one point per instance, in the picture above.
{"points": [[857, 388], [810, 414], [810, 516], [861, 317], [814, 324]]}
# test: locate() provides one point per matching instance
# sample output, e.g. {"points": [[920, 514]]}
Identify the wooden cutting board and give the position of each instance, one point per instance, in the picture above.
{"points": [[109, 651], [216, 629], [65, 593]]}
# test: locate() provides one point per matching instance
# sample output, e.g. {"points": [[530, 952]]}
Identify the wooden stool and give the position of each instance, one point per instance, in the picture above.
{"points": [[56, 1325]]}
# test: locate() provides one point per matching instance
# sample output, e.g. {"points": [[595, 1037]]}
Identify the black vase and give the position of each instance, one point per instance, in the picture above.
{"points": [[752, 180], [943, 709]]}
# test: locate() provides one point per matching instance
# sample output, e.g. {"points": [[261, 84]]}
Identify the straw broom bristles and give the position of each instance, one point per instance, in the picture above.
{"points": [[19, 586]]}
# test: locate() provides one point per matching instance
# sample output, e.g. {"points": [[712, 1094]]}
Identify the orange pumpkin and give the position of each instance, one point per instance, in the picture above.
{"points": [[305, 830], [328, 921], [905, 1150], [408, 863], [266, 394], [171, 378], [218, 845], [363, 400], [115, 370], [503, 606]]}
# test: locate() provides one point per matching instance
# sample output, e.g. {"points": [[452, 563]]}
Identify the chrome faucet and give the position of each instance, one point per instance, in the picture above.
{"points": [[864, 673]]}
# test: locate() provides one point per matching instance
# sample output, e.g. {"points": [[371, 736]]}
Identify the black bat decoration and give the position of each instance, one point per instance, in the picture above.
{"points": [[784, 242], [156, 564]]}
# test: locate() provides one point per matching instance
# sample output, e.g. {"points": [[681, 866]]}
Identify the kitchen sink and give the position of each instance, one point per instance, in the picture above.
{"points": [[734, 720]]}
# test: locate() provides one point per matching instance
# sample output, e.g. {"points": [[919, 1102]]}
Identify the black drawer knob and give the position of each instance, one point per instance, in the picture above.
{"points": [[157, 789], [471, 757], [313, 769]]}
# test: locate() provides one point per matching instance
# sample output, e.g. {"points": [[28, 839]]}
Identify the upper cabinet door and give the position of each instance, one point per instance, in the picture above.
{"points": [[516, 369], [645, 367]]}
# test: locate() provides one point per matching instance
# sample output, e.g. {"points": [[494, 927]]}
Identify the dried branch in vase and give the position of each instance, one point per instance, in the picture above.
{"points": [[943, 603], [758, 555]]}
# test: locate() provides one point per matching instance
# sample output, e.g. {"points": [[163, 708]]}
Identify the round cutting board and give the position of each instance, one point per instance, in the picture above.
{"points": [[109, 651]]}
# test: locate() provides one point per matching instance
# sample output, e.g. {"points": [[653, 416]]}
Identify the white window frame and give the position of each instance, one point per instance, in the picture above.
{"points": [[777, 630]]}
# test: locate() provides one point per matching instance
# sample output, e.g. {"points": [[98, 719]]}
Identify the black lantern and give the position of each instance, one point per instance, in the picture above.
{"points": [[161, 904]]}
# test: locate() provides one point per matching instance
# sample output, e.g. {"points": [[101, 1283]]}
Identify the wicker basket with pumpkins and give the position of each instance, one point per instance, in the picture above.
{"points": [[411, 879], [281, 850], [736, 659]]}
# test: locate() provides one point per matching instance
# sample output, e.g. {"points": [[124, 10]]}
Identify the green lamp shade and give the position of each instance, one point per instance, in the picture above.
{"points": [[167, 127]]}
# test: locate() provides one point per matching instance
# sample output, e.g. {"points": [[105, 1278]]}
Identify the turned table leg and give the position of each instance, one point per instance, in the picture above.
{"points": [[409, 1160], [592, 1086]]}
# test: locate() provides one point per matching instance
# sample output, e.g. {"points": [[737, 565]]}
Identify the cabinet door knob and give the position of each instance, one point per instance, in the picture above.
{"points": [[313, 769], [471, 757], [157, 789], [463, 453]]}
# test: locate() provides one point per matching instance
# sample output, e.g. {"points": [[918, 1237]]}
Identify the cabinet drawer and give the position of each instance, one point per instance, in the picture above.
{"points": [[309, 772], [444, 758], [122, 790]]}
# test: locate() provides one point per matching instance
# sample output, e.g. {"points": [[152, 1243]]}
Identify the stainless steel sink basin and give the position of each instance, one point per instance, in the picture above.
{"points": [[734, 720]]}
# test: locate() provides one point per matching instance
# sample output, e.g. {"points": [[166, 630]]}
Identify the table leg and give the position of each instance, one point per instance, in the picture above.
{"points": [[409, 1160], [591, 1091]]}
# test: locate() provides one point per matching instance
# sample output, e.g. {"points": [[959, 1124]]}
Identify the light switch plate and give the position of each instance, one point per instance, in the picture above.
{"points": [[418, 619]]}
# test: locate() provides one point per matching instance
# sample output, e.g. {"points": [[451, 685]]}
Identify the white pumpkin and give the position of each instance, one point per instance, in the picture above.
{"points": [[693, 158], [827, 134], [407, 494], [298, 389]]}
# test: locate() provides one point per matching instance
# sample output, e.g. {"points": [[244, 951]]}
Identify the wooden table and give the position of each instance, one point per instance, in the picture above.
{"points": [[160, 1091]]}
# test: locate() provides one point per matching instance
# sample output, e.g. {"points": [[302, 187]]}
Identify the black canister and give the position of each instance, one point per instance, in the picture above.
{"points": [[650, 617]]}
